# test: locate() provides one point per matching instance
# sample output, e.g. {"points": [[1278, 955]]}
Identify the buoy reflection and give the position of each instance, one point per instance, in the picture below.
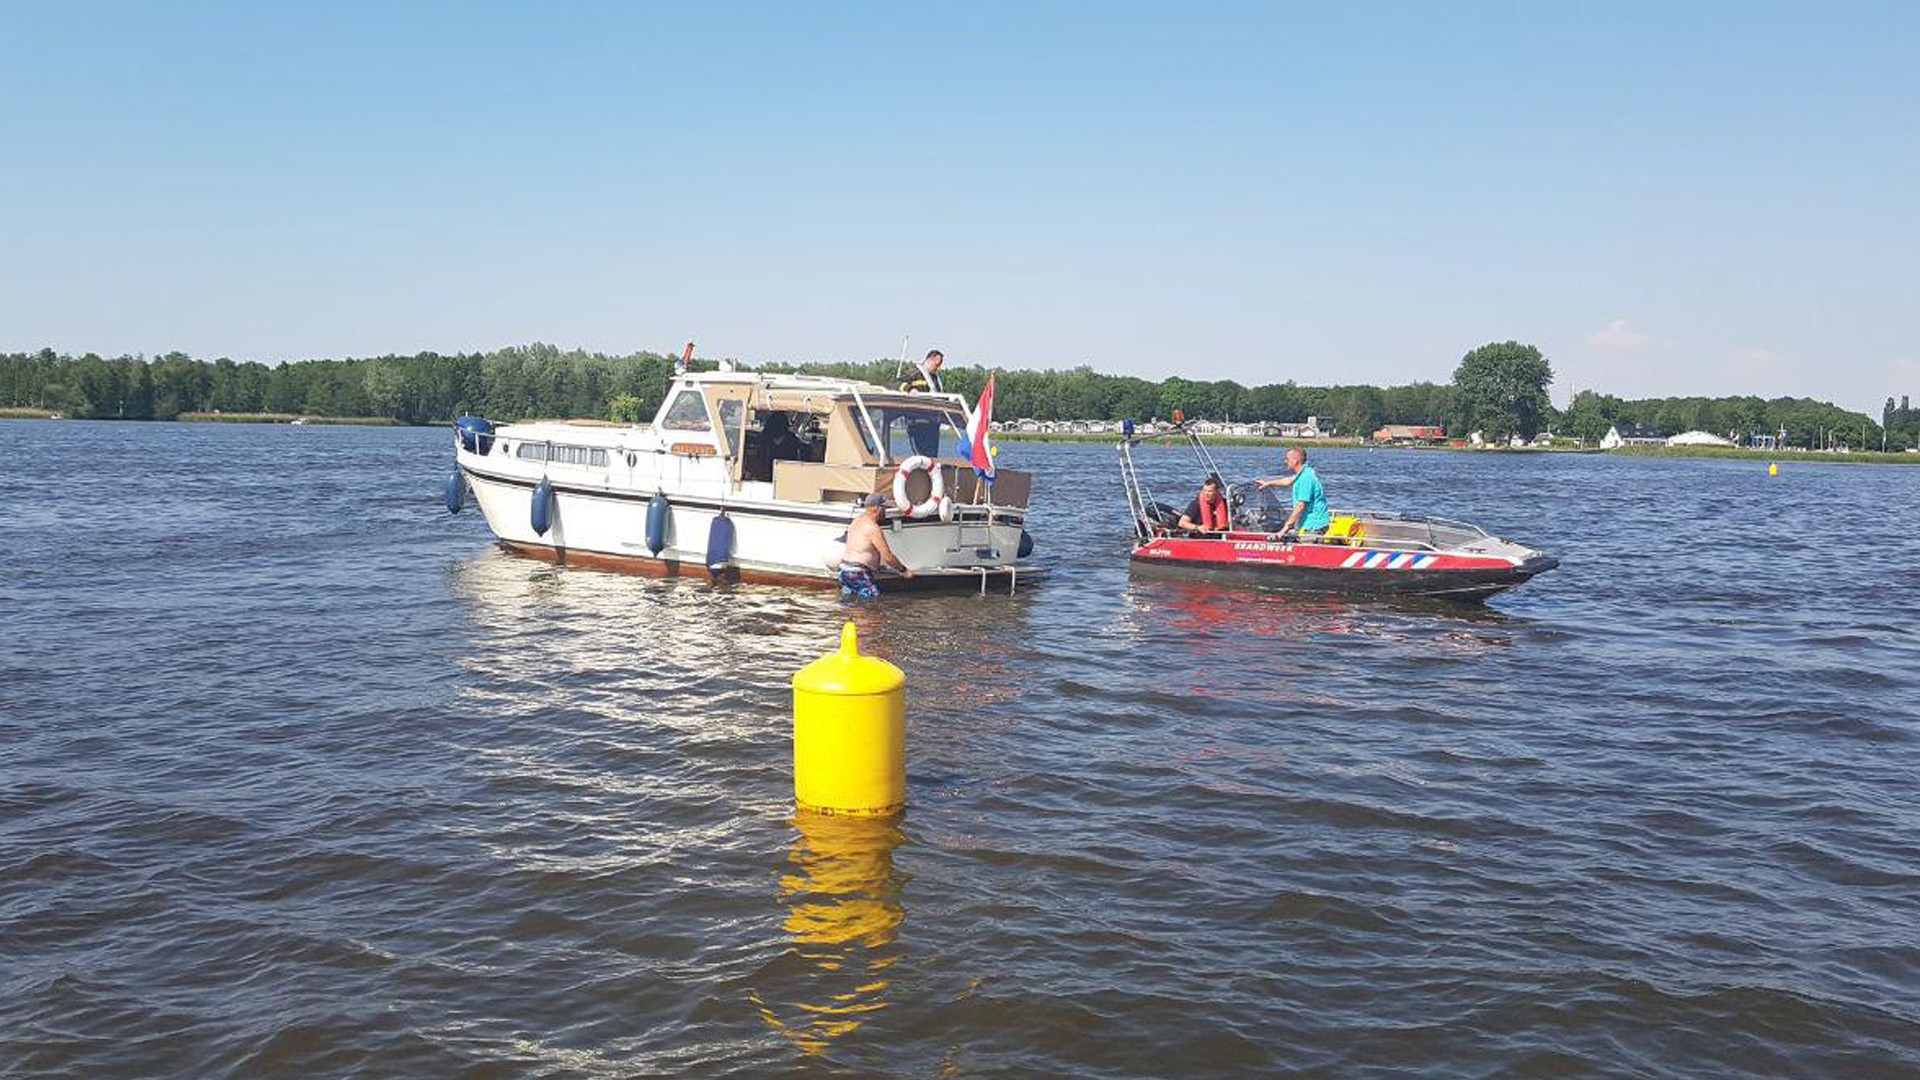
{"points": [[842, 897]]}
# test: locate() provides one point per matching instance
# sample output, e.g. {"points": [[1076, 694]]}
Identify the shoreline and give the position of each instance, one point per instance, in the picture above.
{"points": [[24, 413], [1731, 453]]}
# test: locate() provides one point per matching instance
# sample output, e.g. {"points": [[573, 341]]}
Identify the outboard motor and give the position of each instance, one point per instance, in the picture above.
{"points": [[476, 434]]}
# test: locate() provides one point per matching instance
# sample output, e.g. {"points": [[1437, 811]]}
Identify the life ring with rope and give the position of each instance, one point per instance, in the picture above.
{"points": [[936, 487]]}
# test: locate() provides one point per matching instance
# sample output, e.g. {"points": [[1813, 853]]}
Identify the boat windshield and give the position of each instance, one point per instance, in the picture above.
{"points": [[1265, 509], [913, 429]]}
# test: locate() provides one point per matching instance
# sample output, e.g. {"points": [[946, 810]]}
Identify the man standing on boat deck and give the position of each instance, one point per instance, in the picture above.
{"points": [[866, 550], [1310, 510], [926, 375], [922, 431]]}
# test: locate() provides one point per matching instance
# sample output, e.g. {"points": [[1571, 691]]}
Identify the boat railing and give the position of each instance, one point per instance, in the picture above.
{"points": [[1139, 498], [1418, 524], [1403, 532]]}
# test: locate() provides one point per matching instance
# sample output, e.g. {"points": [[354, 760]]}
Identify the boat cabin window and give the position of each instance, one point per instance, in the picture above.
{"points": [[730, 409], [687, 413], [912, 429], [563, 454], [782, 435]]}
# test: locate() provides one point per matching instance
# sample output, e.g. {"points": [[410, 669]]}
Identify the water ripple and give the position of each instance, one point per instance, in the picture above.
{"points": [[304, 777]]}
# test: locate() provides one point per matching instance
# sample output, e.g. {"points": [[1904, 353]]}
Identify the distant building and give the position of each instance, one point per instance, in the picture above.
{"points": [[1410, 433], [1623, 433]]}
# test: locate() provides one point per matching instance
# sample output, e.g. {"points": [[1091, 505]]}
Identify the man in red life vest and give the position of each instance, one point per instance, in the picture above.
{"points": [[1209, 511]]}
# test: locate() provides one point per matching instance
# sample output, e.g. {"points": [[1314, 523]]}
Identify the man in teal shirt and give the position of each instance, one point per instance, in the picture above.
{"points": [[1310, 510]]}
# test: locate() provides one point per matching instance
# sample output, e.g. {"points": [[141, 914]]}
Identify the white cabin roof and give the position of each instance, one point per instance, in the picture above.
{"points": [[777, 381]]}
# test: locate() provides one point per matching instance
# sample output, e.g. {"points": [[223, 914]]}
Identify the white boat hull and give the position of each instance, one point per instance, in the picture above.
{"points": [[599, 523]]}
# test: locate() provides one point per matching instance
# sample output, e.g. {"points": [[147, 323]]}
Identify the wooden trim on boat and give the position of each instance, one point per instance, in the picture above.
{"points": [[661, 568], [955, 578]]}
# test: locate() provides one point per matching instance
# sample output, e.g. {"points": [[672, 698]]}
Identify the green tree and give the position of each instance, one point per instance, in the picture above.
{"points": [[386, 388], [1501, 389], [625, 409]]}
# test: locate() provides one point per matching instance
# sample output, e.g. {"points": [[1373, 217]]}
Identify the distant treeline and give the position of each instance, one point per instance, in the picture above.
{"points": [[1083, 394], [538, 380], [541, 380], [1806, 422]]}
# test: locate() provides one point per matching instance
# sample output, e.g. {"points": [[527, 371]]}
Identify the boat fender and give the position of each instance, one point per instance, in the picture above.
{"points": [[456, 492], [542, 507], [658, 511], [1026, 544], [946, 508], [476, 434], [833, 551], [936, 490], [719, 544]]}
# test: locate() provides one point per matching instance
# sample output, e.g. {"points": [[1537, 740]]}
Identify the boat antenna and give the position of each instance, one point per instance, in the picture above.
{"points": [[900, 368]]}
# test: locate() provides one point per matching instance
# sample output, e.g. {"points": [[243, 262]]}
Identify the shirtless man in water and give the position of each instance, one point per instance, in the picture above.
{"points": [[866, 550]]}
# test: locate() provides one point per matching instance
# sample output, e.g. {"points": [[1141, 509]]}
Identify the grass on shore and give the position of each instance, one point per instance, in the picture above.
{"points": [[1861, 457], [23, 413], [284, 418]]}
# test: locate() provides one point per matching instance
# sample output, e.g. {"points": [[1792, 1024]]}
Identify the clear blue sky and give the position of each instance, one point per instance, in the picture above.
{"points": [[1666, 198]]}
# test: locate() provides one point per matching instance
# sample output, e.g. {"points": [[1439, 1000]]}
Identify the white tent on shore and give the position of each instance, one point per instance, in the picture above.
{"points": [[1699, 438]]}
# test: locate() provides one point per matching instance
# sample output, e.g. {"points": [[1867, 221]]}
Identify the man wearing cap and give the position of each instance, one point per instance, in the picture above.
{"points": [[866, 550]]}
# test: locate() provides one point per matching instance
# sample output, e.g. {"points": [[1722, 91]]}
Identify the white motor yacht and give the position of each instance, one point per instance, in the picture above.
{"points": [[751, 477]]}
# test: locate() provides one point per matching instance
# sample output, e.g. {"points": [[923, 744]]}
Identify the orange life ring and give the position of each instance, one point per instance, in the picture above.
{"points": [[936, 490]]}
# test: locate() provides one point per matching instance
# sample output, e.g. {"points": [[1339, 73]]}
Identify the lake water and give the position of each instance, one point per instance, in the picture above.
{"points": [[302, 777]]}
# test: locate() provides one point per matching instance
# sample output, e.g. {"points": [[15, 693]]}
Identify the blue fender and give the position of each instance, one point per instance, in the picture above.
{"points": [[657, 515], [476, 434], [542, 508], [1026, 544], [456, 492], [719, 545]]}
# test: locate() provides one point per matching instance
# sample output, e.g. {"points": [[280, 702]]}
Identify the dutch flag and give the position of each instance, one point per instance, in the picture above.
{"points": [[976, 443]]}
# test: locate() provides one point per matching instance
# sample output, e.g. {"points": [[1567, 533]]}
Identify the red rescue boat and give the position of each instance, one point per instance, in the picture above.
{"points": [[1365, 553]]}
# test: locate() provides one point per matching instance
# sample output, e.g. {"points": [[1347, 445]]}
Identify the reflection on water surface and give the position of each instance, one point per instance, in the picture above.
{"points": [[842, 895]]}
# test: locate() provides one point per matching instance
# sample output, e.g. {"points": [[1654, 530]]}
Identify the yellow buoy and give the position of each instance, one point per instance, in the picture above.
{"points": [[1773, 469], [850, 733]]}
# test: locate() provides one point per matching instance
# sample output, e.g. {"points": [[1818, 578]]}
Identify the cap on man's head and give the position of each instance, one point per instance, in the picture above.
{"points": [[875, 499]]}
